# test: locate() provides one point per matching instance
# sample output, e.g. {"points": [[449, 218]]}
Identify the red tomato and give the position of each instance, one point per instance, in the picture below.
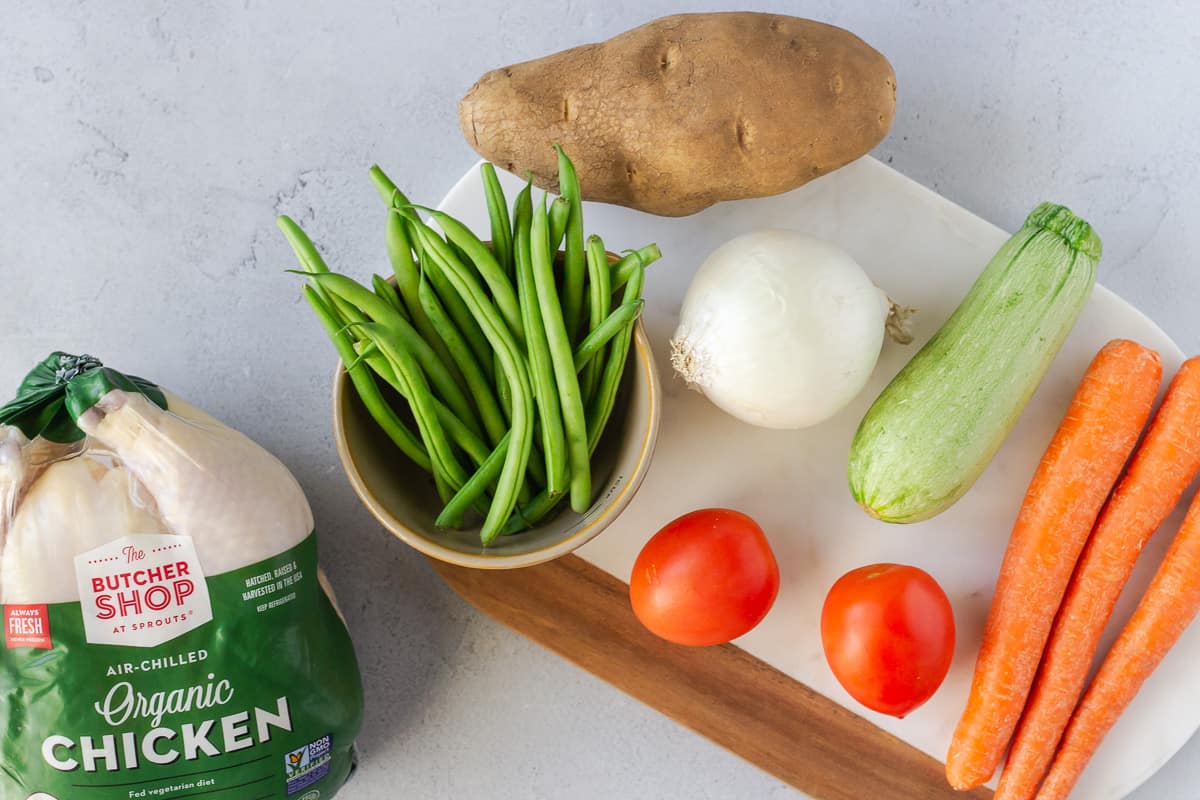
{"points": [[706, 578], [888, 633]]}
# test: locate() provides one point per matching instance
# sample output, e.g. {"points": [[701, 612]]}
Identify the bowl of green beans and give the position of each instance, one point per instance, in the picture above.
{"points": [[405, 502], [496, 402]]}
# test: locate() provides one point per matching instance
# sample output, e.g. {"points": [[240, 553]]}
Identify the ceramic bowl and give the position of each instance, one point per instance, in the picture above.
{"points": [[404, 500]]}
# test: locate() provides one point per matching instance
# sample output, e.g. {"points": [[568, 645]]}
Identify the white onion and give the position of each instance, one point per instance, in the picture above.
{"points": [[780, 329]]}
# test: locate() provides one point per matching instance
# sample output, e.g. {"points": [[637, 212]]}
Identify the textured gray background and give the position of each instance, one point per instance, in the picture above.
{"points": [[146, 147]]}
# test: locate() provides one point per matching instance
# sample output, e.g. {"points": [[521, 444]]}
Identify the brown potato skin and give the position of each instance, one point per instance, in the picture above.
{"points": [[688, 110]]}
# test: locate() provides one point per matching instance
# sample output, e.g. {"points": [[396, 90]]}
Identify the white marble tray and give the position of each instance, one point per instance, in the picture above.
{"points": [[925, 251]]}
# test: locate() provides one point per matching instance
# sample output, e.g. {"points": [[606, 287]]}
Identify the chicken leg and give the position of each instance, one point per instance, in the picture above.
{"points": [[239, 504]]}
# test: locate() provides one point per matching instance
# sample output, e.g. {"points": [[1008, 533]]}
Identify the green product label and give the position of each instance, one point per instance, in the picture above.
{"points": [[261, 701]]}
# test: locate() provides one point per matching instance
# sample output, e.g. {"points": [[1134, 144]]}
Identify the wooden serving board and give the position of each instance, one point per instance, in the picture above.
{"points": [[742, 703], [784, 710]]}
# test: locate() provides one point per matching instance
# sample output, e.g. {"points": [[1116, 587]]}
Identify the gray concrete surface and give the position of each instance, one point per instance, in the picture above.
{"points": [[145, 148]]}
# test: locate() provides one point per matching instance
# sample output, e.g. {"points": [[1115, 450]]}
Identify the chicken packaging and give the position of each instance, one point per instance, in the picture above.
{"points": [[167, 633]]}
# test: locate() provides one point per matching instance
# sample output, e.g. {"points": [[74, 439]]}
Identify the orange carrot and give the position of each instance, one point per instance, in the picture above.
{"points": [[1165, 611], [1066, 493], [1161, 469]]}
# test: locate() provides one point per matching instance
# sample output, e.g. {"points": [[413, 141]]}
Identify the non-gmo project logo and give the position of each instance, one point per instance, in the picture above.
{"points": [[307, 765], [142, 590], [315, 794]]}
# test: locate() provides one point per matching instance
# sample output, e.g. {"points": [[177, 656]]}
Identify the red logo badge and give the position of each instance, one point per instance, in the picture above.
{"points": [[27, 626]]}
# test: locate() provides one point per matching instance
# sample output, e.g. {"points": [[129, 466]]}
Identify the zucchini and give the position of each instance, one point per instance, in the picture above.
{"points": [[933, 430]]}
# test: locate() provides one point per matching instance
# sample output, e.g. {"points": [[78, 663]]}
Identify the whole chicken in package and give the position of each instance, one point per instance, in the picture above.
{"points": [[166, 631]]}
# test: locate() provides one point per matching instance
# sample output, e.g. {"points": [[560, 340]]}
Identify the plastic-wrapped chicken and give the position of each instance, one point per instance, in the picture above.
{"points": [[166, 631]]}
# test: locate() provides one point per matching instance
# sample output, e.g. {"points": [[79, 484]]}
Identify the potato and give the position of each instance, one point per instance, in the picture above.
{"points": [[688, 110]]}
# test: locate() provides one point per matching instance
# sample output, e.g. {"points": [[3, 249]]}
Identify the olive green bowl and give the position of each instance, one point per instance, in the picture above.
{"points": [[403, 498]]}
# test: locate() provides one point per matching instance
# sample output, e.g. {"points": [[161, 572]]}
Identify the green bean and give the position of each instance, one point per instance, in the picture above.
{"points": [[349, 312], [385, 291], [633, 259], [365, 385], [502, 390], [400, 253], [443, 488], [454, 305], [502, 244], [459, 433], [537, 464], [525, 492], [537, 461], [302, 246], [599, 304], [573, 261], [541, 368], [365, 354], [574, 422], [560, 212], [614, 323], [475, 448], [564, 208], [503, 402], [477, 381], [379, 311], [513, 363], [420, 400], [536, 510], [475, 487], [532, 513], [399, 248], [460, 254], [485, 264], [610, 380], [386, 187], [306, 252]]}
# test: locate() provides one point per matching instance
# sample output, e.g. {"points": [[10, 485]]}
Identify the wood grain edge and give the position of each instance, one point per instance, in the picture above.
{"points": [[742, 703]]}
